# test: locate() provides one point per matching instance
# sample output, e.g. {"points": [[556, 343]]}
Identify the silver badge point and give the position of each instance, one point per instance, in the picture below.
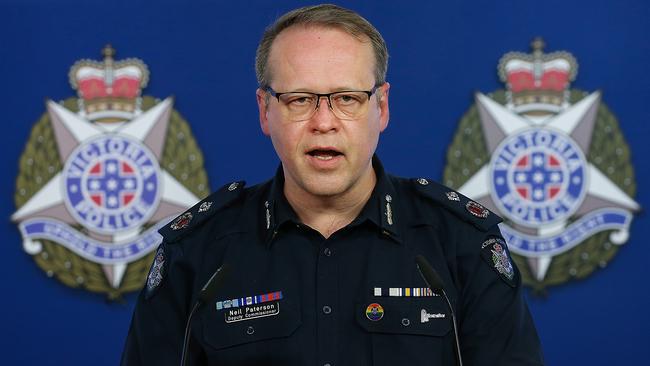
{"points": [[233, 186], [205, 206], [453, 196]]}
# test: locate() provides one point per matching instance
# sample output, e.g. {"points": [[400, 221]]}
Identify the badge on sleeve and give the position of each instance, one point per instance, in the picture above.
{"points": [[156, 273], [495, 253]]}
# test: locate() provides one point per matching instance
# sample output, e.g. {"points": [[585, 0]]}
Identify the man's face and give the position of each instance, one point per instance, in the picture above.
{"points": [[324, 155]]}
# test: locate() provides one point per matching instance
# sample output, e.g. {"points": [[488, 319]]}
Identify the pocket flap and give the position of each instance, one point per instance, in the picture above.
{"points": [[234, 326], [427, 316]]}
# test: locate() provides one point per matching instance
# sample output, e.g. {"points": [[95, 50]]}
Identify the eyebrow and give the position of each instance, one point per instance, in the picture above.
{"points": [[339, 89]]}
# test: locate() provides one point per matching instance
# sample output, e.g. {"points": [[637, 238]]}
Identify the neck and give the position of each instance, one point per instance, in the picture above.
{"points": [[328, 214]]}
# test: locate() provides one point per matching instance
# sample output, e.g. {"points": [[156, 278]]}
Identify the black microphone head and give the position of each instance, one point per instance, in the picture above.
{"points": [[210, 288], [429, 274]]}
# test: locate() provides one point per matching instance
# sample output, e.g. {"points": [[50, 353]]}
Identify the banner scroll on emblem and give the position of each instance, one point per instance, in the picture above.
{"points": [[100, 174], [552, 162]]}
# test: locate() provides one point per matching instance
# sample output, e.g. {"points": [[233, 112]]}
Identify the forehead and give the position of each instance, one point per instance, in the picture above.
{"points": [[320, 59]]}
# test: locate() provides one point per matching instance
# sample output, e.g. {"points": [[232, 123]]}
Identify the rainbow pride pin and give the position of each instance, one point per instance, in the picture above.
{"points": [[374, 312]]}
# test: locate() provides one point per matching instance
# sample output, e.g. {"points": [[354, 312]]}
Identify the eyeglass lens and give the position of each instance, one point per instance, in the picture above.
{"points": [[345, 105]]}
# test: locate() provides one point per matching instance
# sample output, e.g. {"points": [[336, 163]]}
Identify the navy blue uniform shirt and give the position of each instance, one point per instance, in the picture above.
{"points": [[293, 297]]}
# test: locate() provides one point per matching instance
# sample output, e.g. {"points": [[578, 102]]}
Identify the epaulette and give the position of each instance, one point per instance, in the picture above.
{"points": [[458, 204], [199, 213]]}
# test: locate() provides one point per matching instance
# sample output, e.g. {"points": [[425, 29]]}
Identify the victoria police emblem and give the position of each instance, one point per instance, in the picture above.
{"points": [[552, 162], [156, 272], [495, 253], [501, 261], [100, 174]]}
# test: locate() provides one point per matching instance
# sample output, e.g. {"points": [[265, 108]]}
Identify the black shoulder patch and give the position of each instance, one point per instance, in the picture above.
{"points": [[195, 216], [495, 252], [455, 202]]}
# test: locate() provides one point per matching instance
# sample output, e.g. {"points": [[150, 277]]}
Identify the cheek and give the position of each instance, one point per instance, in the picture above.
{"points": [[285, 138], [369, 137], [373, 126], [365, 139]]}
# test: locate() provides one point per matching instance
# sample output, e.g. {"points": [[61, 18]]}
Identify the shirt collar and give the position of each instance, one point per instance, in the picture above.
{"points": [[381, 208], [277, 210]]}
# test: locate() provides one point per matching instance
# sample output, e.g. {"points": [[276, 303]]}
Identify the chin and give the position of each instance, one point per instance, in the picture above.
{"points": [[322, 186]]}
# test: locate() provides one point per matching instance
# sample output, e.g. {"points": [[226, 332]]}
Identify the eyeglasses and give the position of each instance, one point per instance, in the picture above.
{"points": [[346, 105]]}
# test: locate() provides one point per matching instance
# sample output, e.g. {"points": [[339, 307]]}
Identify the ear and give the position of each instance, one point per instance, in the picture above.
{"points": [[262, 106], [382, 99]]}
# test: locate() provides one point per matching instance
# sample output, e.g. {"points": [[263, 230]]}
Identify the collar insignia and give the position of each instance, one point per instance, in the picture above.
{"points": [[268, 215], [389, 210]]}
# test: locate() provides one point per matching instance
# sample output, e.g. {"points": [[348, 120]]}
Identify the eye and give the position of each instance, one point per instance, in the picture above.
{"points": [[298, 99], [345, 99]]}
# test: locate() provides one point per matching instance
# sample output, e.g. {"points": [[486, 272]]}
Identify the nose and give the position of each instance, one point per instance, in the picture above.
{"points": [[324, 120]]}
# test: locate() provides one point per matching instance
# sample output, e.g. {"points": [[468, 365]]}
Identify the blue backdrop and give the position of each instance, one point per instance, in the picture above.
{"points": [[202, 53]]}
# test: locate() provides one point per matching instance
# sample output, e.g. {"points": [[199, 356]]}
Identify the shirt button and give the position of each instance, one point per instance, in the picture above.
{"points": [[250, 330], [327, 252], [327, 309]]}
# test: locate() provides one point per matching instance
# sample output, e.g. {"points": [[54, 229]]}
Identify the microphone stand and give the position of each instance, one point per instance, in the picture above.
{"points": [[205, 295], [435, 284]]}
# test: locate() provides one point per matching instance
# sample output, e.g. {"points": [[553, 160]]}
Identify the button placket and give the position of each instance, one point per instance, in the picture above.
{"points": [[327, 297]]}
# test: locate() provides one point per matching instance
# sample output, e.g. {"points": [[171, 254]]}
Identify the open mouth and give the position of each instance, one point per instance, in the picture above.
{"points": [[324, 154]]}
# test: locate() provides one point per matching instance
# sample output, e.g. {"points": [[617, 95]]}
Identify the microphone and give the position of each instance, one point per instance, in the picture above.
{"points": [[205, 295], [433, 280], [210, 288]]}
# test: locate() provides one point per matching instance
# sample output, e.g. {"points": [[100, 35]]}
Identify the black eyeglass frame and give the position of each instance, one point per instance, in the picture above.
{"points": [[277, 95]]}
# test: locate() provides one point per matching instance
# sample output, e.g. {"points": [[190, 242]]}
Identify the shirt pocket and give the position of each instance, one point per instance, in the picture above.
{"points": [[249, 324], [412, 330]]}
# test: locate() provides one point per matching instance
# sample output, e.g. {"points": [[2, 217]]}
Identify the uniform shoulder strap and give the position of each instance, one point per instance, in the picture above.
{"points": [[199, 213], [460, 205]]}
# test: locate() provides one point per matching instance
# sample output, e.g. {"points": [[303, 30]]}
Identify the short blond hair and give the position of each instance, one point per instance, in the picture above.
{"points": [[329, 16]]}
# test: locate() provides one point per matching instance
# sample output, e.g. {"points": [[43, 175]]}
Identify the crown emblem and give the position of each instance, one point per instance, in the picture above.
{"points": [[109, 91], [538, 83]]}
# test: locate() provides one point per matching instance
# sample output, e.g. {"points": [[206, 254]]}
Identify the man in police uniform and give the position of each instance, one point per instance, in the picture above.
{"points": [[321, 257]]}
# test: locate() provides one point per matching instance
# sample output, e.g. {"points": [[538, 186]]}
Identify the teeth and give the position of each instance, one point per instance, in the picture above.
{"points": [[324, 155]]}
